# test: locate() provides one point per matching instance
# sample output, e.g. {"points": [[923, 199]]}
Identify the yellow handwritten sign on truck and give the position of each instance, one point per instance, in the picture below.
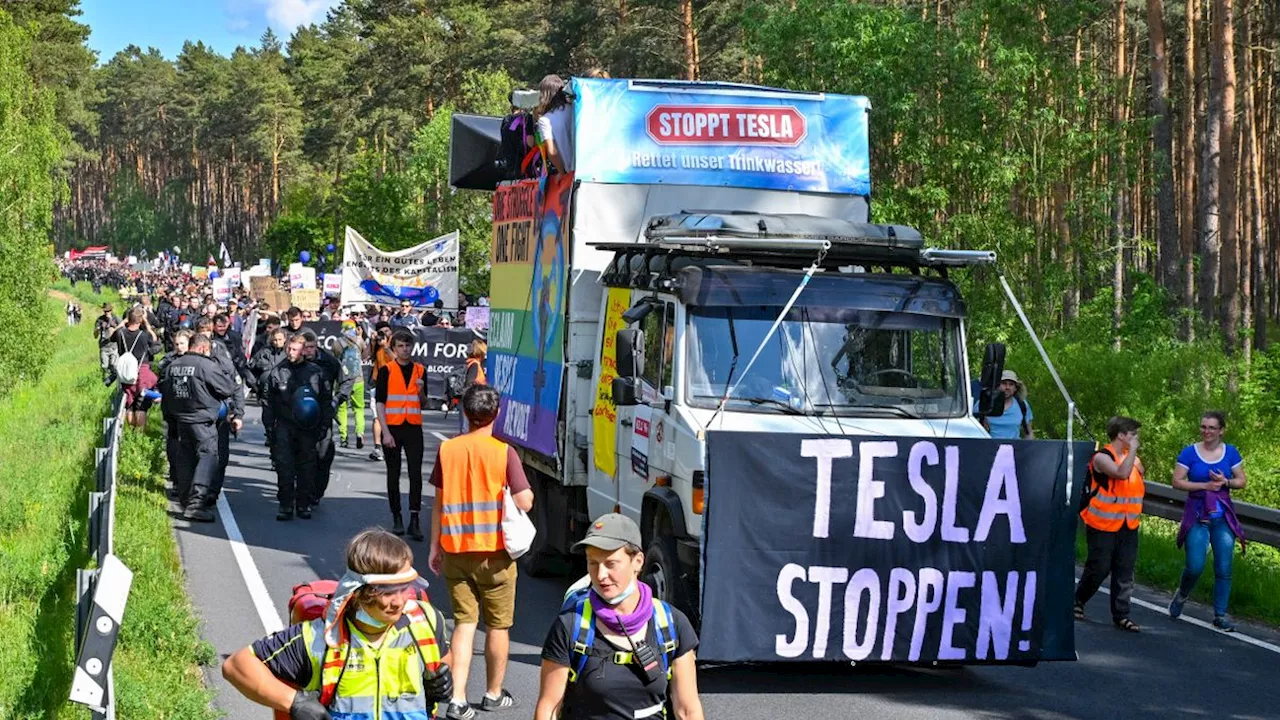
{"points": [[604, 416]]}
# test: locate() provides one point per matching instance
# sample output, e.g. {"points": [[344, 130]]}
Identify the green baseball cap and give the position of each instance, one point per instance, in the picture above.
{"points": [[610, 532]]}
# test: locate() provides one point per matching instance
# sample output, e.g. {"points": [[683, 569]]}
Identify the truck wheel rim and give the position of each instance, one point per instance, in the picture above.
{"points": [[657, 578]]}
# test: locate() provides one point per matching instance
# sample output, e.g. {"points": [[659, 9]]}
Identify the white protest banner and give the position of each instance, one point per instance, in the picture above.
{"points": [[421, 274], [221, 290], [333, 284], [232, 274], [266, 263], [302, 277]]}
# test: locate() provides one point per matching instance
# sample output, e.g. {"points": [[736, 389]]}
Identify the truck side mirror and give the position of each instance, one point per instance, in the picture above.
{"points": [[990, 399], [629, 351]]}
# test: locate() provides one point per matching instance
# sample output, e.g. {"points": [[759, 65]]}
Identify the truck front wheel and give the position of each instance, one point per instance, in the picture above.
{"points": [[662, 570]]}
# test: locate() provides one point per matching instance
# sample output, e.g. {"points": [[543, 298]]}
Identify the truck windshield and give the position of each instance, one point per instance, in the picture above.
{"points": [[826, 361]]}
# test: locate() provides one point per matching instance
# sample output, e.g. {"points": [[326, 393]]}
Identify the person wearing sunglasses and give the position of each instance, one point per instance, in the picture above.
{"points": [[1208, 471], [406, 318], [378, 652]]}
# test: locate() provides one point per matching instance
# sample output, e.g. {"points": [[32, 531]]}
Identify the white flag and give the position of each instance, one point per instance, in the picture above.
{"points": [[226, 256]]}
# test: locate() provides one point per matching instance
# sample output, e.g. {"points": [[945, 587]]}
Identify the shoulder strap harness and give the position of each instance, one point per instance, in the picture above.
{"points": [[421, 628], [584, 635]]}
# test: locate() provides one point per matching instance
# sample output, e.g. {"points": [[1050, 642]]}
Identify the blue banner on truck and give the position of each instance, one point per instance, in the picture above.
{"points": [[651, 132], [882, 549]]}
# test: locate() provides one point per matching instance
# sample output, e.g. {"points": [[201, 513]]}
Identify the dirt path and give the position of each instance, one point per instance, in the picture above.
{"points": [[59, 295]]}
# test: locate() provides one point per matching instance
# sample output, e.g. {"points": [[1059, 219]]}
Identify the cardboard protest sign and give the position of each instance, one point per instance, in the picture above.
{"points": [[308, 299]]}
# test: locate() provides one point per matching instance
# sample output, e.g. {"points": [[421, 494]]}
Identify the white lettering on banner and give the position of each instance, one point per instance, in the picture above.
{"points": [[450, 350], [1001, 496], [927, 591], [869, 490], [941, 608], [502, 325], [825, 451], [504, 373], [515, 422]]}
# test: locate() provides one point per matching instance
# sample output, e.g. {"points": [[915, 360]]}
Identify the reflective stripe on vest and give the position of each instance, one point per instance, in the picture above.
{"points": [[364, 683], [474, 470], [403, 405], [481, 379], [1119, 504]]}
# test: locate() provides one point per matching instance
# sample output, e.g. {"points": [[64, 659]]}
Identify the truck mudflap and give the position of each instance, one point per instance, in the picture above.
{"points": [[888, 549]]}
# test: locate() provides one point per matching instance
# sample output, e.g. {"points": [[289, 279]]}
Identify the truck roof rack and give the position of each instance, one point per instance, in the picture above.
{"points": [[794, 239]]}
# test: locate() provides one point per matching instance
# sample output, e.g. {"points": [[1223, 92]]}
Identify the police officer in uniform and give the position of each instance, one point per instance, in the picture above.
{"points": [[233, 418], [341, 392], [297, 392], [194, 387], [234, 343]]}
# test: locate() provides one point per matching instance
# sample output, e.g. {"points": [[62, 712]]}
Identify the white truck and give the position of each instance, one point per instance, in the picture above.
{"points": [[708, 266]]}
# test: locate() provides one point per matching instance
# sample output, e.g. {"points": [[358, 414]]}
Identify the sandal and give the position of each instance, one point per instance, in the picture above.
{"points": [[1079, 611], [1129, 625]]}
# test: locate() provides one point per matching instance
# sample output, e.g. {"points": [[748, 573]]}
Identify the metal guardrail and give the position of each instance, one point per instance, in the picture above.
{"points": [[1260, 524], [101, 591]]}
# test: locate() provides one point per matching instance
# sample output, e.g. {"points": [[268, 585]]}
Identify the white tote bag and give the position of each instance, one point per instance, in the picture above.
{"points": [[517, 529]]}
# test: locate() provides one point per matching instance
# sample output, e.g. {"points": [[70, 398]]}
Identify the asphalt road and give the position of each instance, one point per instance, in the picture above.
{"points": [[1171, 670]]}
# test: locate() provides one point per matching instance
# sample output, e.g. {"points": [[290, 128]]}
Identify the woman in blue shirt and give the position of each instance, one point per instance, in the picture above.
{"points": [[1208, 471]]}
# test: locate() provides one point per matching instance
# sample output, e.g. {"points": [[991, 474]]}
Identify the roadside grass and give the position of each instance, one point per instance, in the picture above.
{"points": [[48, 432], [1255, 575], [159, 655]]}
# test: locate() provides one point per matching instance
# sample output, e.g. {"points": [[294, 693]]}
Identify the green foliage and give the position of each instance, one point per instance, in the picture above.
{"points": [[43, 506], [292, 233], [158, 658], [30, 150]]}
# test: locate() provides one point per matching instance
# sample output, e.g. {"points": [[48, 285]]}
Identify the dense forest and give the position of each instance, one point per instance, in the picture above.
{"points": [[1122, 156]]}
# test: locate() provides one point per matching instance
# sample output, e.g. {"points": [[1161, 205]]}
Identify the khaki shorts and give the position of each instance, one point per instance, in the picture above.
{"points": [[482, 582]]}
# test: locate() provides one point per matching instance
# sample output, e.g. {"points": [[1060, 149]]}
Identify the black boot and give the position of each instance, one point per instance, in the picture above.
{"points": [[415, 532], [397, 525], [285, 513], [198, 512]]}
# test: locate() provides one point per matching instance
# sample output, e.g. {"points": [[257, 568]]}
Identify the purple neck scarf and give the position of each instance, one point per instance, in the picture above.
{"points": [[625, 624]]}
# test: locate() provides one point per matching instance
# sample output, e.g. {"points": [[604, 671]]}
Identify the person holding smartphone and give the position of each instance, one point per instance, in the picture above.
{"points": [[1209, 470]]}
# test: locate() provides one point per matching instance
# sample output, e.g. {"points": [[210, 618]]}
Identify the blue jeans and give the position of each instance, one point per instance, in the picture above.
{"points": [[1216, 533]]}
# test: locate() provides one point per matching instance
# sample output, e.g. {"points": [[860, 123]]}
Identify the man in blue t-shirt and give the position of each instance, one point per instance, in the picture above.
{"points": [[1015, 422]]}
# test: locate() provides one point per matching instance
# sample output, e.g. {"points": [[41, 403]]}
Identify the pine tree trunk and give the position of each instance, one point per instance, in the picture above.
{"points": [[1224, 25], [1190, 115], [1162, 159], [686, 32], [1119, 207], [1210, 156]]}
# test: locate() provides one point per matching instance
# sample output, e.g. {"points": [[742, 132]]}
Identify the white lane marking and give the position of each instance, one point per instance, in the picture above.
{"points": [[439, 436], [1200, 623], [252, 578]]}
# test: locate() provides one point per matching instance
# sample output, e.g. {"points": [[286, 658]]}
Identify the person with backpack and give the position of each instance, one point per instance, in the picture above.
{"points": [[134, 340], [1111, 518], [472, 374], [103, 328], [1015, 422], [379, 650], [555, 124], [614, 650], [297, 391], [350, 352]]}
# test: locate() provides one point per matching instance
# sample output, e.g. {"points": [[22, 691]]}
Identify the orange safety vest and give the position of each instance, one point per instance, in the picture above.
{"points": [[474, 471], [381, 359], [1117, 504], [480, 376], [402, 403]]}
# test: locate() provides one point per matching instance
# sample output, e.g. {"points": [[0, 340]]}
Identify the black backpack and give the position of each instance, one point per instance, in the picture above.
{"points": [[454, 383], [1095, 481], [519, 155]]}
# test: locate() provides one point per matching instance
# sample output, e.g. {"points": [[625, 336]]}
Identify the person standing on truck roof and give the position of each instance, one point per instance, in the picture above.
{"points": [[1015, 422], [399, 397], [467, 546], [555, 123], [615, 651], [1209, 470], [1111, 520], [376, 653]]}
